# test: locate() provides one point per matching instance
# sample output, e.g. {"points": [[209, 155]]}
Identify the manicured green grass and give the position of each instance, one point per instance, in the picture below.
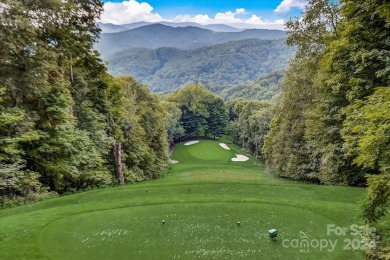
{"points": [[201, 200]]}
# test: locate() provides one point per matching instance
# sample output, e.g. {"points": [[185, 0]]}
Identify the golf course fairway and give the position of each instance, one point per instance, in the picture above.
{"points": [[205, 206]]}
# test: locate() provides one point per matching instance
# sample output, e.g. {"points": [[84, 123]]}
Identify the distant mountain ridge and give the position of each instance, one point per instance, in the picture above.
{"points": [[166, 69], [113, 28], [157, 35]]}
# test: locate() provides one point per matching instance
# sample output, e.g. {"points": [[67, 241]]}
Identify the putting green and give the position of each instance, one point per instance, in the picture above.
{"points": [[208, 152], [201, 200], [204, 151]]}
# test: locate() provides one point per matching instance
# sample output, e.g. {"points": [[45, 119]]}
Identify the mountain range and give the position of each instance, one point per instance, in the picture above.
{"points": [[165, 69], [229, 61], [113, 28], [158, 35]]}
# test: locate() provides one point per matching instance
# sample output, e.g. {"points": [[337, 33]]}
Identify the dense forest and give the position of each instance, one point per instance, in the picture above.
{"points": [[264, 88], [66, 124], [199, 112], [167, 69], [249, 122]]}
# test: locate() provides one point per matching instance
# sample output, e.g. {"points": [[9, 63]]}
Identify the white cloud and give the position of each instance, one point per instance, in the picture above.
{"points": [[286, 5], [128, 12], [199, 18], [238, 19], [229, 17], [240, 11]]}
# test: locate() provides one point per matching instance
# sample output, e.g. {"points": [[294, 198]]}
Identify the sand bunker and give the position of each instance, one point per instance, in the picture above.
{"points": [[173, 161], [224, 146], [191, 142], [240, 158]]}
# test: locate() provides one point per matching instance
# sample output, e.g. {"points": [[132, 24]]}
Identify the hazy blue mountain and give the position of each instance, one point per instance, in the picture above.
{"points": [[135, 25], [165, 69], [112, 28], [221, 28], [157, 35], [213, 27]]}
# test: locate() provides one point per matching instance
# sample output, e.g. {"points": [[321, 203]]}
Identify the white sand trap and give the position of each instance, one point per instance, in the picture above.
{"points": [[191, 142], [240, 158], [173, 161], [224, 146]]}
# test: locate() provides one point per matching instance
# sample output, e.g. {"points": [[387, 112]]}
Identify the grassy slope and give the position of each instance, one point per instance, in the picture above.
{"points": [[201, 198]]}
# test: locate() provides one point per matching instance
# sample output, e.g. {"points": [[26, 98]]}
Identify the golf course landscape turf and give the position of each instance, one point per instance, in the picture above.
{"points": [[204, 206]]}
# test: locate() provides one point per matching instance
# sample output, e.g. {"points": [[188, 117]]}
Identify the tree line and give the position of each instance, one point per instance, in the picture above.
{"points": [[249, 123], [202, 113], [65, 123], [331, 123]]}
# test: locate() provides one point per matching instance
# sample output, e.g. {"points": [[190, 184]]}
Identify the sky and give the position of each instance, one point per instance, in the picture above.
{"points": [[265, 14]]}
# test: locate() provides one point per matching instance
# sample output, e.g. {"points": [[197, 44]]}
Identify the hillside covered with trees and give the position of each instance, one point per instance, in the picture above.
{"points": [[156, 36], [264, 88], [167, 69]]}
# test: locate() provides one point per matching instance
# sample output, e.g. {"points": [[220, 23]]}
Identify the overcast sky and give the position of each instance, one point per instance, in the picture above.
{"points": [[270, 14]]}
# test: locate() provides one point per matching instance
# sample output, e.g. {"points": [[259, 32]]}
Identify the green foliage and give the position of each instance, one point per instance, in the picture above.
{"points": [[375, 213], [200, 110], [167, 69], [354, 65], [65, 156], [337, 64], [15, 129], [288, 150], [264, 88], [366, 131], [175, 128], [378, 197], [61, 114], [332, 121], [144, 130], [217, 120], [195, 98], [250, 121], [317, 26], [366, 134], [191, 122]]}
